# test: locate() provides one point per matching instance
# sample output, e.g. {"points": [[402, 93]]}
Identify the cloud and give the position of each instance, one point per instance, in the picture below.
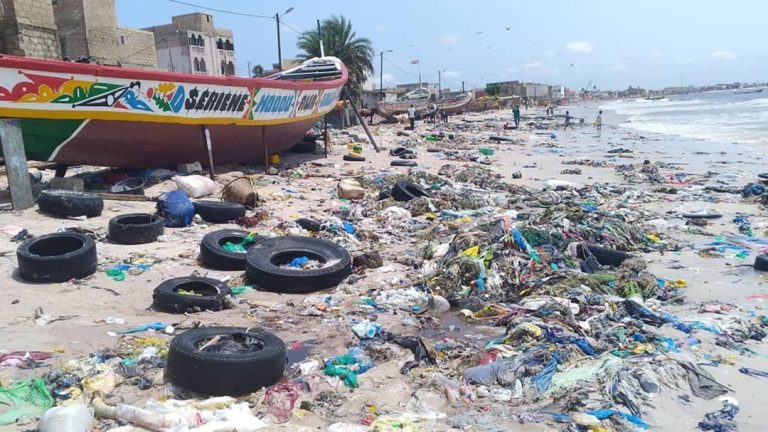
{"points": [[683, 61], [581, 47], [657, 54], [388, 78], [722, 55], [533, 65], [451, 74], [550, 54], [513, 70], [618, 67], [449, 39], [380, 28]]}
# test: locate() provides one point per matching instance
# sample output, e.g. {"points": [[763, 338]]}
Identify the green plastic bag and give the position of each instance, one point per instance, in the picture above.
{"points": [[23, 400], [241, 247]]}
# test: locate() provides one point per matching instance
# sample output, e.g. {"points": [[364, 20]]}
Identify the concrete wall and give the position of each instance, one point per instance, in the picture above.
{"points": [[27, 28], [70, 20], [137, 48]]}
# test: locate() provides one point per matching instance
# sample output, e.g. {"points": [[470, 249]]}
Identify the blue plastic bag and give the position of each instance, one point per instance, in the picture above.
{"points": [[176, 209]]}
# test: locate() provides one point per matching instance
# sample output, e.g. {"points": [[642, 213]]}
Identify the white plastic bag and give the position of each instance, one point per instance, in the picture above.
{"points": [[196, 186], [74, 418]]}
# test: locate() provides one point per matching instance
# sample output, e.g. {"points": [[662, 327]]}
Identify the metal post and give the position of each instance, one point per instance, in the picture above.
{"points": [[266, 151], [209, 147], [320, 38], [439, 85], [16, 164], [360, 119], [279, 50], [381, 77], [462, 86], [250, 71], [326, 136]]}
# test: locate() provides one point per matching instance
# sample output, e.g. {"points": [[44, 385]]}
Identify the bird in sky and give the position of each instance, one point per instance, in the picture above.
{"points": [[478, 33], [508, 28], [572, 64]]}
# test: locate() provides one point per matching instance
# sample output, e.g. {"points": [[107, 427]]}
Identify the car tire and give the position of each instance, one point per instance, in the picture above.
{"points": [[406, 191], [219, 211], [57, 257], [69, 203], [220, 373], [166, 296], [304, 146], [604, 256], [761, 262], [708, 215], [264, 260], [353, 158], [135, 228], [129, 186], [215, 257], [403, 163], [309, 224]]}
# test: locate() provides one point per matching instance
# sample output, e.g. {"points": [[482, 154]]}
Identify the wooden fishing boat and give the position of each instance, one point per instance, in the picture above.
{"points": [[456, 104], [85, 114], [392, 109]]}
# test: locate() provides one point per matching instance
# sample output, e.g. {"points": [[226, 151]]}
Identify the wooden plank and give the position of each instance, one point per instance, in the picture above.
{"points": [[125, 197], [209, 146], [16, 164]]}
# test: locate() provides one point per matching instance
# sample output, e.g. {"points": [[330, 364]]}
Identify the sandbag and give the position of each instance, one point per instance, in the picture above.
{"points": [[196, 186], [176, 209], [241, 191], [74, 418]]}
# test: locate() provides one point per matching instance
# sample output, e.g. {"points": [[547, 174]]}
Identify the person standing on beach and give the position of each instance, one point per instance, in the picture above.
{"points": [[516, 114], [599, 121], [568, 120], [412, 117]]}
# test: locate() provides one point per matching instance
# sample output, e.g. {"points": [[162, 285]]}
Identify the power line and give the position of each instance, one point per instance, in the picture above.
{"points": [[223, 11], [399, 68]]}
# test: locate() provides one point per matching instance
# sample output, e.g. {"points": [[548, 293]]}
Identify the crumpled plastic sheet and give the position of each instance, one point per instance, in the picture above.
{"points": [[24, 399], [702, 383], [721, 420], [281, 398]]}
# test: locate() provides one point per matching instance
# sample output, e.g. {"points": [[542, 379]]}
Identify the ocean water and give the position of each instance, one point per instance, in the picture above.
{"points": [[718, 116]]}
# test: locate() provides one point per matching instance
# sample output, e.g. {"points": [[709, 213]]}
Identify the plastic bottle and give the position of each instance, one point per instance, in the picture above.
{"points": [[153, 421], [75, 418]]}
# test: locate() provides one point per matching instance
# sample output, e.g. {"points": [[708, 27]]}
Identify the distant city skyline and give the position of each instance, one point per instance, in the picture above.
{"points": [[607, 44]]}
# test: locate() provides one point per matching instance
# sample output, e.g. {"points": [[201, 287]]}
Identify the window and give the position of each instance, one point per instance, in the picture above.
{"points": [[197, 65], [192, 40], [122, 40], [208, 18], [230, 69], [223, 68], [202, 65], [220, 44], [200, 41]]}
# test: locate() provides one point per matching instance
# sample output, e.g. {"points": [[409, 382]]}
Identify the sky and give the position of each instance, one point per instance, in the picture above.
{"points": [[605, 44]]}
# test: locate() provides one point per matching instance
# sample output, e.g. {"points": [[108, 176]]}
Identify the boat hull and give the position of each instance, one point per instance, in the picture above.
{"points": [[136, 145], [82, 114]]}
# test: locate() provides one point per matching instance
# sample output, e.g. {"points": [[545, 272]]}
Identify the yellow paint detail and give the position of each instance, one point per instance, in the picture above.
{"points": [[44, 94], [135, 117], [166, 87]]}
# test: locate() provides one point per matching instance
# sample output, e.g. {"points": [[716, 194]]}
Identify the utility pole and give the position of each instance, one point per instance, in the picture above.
{"points": [[250, 71], [439, 86], [279, 50], [320, 37], [462, 86], [381, 75]]}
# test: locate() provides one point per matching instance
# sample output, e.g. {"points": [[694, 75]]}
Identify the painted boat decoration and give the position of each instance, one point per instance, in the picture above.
{"points": [[84, 114]]}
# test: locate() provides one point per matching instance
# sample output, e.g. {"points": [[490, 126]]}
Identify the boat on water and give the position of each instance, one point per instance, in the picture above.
{"points": [[86, 114], [748, 90], [655, 97]]}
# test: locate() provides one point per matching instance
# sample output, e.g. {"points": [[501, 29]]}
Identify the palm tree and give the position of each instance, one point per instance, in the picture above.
{"points": [[257, 71], [339, 40]]}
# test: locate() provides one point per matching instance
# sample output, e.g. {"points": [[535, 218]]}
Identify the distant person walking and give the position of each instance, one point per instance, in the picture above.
{"points": [[568, 120], [412, 117], [516, 114], [599, 121]]}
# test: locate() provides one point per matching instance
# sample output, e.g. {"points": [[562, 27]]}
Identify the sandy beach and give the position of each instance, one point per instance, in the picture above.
{"points": [[72, 318]]}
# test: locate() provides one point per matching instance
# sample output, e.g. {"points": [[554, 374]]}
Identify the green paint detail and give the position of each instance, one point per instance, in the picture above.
{"points": [[162, 103], [79, 94], [42, 136]]}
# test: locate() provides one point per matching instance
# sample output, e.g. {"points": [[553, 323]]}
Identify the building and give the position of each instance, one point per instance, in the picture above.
{"points": [[536, 91], [28, 28], [192, 44], [89, 29], [402, 89]]}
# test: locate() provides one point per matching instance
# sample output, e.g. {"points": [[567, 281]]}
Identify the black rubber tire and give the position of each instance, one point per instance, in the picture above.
{"points": [[57, 257], [304, 146], [215, 257], [406, 191], [761, 262], [69, 203], [353, 158], [710, 215], [403, 163], [397, 151], [264, 258], [167, 298], [407, 155], [763, 176], [135, 228], [220, 374], [604, 256], [219, 211], [129, 186], [434, 150]]}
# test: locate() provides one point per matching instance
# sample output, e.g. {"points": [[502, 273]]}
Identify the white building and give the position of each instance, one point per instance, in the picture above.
{"points": [[191, 44]]}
